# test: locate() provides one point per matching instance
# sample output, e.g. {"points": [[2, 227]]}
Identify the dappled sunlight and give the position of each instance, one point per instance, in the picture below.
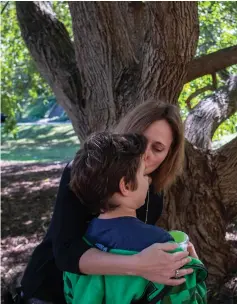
{"points": [[30, 186], [28, 196], [47, 151], [18, 169], [44, 138], [18, 245], [15, 254], [29, 145], [41, 143]]}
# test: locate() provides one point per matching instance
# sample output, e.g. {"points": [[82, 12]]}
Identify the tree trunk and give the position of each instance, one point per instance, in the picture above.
{"points": [[125, 53], [203, 202]]}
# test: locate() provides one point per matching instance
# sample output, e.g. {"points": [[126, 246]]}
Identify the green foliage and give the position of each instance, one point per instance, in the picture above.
{"points": [[218, 29], [227, 127], [20, 80], [21, 83], [37, 109], [63, 14], [218, 26]]}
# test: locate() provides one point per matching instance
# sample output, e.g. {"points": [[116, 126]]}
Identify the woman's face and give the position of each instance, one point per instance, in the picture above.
{"points": [[160, 137]]}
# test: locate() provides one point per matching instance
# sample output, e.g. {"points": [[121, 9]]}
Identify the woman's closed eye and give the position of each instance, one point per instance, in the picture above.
{"points": [[158, 149]]}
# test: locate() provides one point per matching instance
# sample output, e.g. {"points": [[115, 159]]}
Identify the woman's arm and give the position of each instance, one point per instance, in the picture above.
{"points": [[69, 223], [153, 263]]}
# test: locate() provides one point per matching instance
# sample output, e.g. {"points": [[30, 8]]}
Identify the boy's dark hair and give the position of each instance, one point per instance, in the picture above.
{"points": [[99, 166]]}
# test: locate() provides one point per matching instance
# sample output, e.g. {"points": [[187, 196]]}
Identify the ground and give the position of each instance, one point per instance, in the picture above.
{"points": [[28, 195]]}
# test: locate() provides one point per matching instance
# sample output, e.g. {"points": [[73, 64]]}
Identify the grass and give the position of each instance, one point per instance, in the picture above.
{"points": [[40, 143]]}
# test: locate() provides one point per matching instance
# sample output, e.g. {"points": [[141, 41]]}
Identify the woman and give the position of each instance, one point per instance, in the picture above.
{"points": [[63, 248]]}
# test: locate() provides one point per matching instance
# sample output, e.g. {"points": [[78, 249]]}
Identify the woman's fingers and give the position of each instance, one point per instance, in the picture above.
{"points": [[169, 278], [165, 279], [181, 263], [192, 251], [182, 272], [178, 260], [166, 246], [157, 265], [181, 255], [172, 259]]}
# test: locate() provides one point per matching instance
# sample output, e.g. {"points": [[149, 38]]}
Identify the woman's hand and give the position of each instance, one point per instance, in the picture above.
{"points": [[192, 251], [157, 265]]}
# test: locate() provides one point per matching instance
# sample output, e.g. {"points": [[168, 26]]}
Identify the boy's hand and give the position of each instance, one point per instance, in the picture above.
{"points": [[192, 251]]}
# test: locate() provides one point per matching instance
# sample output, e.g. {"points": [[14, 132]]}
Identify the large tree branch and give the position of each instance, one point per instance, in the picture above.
{"points": [[225, 162], [53, 52], [51, 48], [205, 118], [211, 63]]}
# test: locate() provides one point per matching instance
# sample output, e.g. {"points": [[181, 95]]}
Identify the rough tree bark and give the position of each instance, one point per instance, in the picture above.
{"points": [[203, 202], [123, 54]]}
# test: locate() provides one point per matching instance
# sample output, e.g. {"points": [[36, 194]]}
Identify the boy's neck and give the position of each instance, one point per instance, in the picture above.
{"points": [[118, 212]]}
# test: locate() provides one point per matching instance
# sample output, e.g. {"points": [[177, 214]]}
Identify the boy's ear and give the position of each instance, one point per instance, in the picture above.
{"points": [[124, 187]]}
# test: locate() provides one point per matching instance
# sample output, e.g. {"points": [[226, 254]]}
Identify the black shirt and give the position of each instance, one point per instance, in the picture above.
{"points": [[63, 246]]}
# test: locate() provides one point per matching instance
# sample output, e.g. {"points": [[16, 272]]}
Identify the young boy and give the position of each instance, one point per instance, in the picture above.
{"points": [[108, 175]]}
